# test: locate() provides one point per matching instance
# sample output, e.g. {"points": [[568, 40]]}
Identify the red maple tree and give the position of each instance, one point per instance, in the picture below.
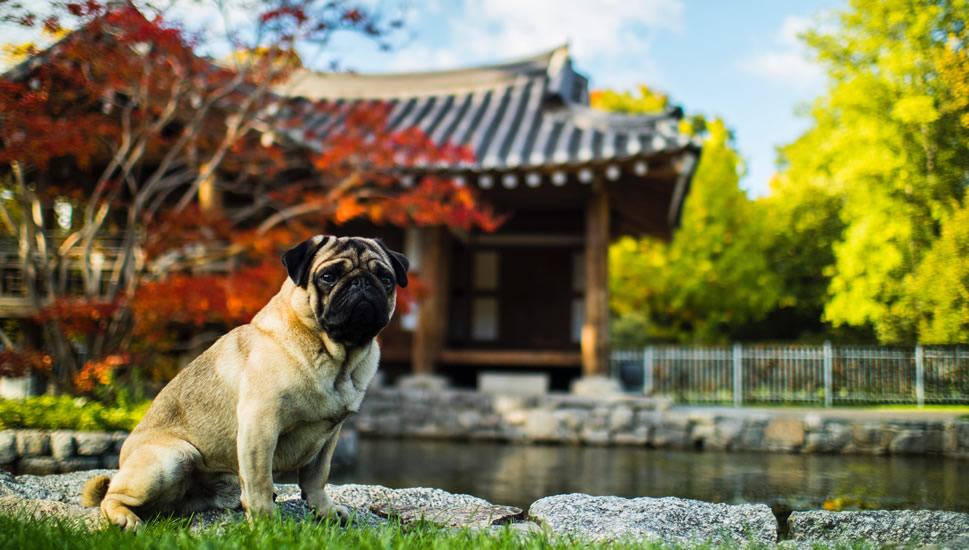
{"points": [[147, 187]]}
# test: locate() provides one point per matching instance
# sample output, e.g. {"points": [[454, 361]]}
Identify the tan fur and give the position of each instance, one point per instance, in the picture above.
{"points": [[94, 491], [268, 397]]}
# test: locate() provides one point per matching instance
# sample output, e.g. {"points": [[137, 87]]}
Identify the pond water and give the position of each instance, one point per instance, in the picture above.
{"points": [[520, 474]]}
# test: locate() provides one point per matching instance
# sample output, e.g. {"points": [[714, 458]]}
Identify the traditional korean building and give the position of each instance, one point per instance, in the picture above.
{"points": [[569, 179], [534, 293]]}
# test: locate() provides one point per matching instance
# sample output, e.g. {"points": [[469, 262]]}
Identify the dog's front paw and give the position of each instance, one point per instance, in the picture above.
{"points": [[324, 507], [258, 509], [337, 511]]}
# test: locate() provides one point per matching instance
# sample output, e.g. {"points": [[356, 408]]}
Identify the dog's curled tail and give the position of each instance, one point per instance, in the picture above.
{"points": [[94, 491]]}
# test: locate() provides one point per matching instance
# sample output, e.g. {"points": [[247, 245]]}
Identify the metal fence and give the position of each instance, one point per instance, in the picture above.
{"points": [[822, 375]]}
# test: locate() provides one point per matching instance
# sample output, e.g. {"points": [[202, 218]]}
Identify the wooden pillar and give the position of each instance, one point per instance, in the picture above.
{"points": [[432, 310], [595, 331]]}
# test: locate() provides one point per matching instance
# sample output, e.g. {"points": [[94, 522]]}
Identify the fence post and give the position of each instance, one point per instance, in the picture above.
{"points": [[648, 370], [828, 361], [738, 375], [919, 375]]}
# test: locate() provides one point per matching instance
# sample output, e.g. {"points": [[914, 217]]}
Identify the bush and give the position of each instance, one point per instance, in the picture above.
{"points": [[63, 412]]}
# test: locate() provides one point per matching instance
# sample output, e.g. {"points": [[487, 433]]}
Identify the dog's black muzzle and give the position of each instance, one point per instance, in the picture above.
{"points": [[357, 311]]}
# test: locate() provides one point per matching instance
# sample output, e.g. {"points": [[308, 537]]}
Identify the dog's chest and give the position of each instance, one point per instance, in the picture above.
{"points": [[303, 439]]}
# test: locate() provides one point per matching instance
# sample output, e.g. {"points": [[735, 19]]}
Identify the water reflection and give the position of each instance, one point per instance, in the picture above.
{"points": [[520, 474]]}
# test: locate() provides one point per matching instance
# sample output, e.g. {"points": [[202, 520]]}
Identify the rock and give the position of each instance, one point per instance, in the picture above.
{"points": [[878, 527], [37, 509], [727, 432], [784, 433], [934, 438], [541, 425], [118, 439], [33, 443], [8, 447], [596, 386], [815, 442], [639, 436], [592, 436], [666, 437], [670, 520], [93, 444], [38, 465], [701, 434], [513, 383], [362, 496], [813, 422], [838, 435], [469, 419], [911, 442], [427, 382], [62, 444], [621, 418], [78, 464], [867, 437], [752, 435], [475, 516]]}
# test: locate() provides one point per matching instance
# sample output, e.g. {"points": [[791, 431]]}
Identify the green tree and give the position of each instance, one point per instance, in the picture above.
{"points": [[941, 290], [712, 277], [802, 223], [884, 141]]}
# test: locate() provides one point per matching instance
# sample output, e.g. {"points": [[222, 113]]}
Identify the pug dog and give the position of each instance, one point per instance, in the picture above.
{"points": [[266, 398]]}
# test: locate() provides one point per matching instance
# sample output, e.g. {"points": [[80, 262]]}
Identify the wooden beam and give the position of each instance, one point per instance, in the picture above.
{"points": [[595, 330], [432, 310], [551, 358]]}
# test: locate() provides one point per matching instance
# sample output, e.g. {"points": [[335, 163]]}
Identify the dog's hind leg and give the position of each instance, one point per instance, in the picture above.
{"points": [[154, 477]]}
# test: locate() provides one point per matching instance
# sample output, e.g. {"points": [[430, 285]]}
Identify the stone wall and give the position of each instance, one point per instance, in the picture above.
{"points": [[42, 452], [551, 418], [624, 420]]}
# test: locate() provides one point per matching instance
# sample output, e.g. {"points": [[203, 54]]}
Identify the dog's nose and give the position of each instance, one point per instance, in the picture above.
{"points": [[360, 282]]}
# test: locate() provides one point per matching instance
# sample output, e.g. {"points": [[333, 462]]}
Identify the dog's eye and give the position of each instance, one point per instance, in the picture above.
{"points": [[387, 281], [328, 277]]}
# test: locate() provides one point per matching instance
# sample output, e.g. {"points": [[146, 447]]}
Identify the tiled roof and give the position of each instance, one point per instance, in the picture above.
{"points": [[529, 114]]}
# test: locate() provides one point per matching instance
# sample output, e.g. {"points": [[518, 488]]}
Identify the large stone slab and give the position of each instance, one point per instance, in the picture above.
{"points": [[881, 527], [503, 383], [670, 520], [474, 516]]}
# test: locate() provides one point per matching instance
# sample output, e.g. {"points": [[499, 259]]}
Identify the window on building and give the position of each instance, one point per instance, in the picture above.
{"points": [[484, 301]]}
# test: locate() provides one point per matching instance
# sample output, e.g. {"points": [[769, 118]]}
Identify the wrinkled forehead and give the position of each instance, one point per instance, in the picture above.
{"points": [[351, 251]]}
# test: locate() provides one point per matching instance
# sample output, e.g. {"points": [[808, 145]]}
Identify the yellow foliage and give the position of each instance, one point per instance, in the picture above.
{"points": [[647, 102]]}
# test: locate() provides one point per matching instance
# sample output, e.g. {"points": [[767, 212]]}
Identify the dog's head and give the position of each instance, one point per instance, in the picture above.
{"points": [[349, 284]]}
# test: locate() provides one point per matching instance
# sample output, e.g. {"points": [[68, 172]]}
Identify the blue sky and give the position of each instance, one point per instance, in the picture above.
{"points": [[739, 60]]}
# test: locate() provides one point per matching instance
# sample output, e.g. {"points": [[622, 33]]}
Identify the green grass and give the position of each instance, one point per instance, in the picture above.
{"points": [[275, 534], [955, 409], [63, 412], [288, 534]]}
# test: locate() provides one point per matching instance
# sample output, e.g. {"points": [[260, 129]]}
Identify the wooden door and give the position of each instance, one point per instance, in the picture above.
{"points": [[535, 296]]}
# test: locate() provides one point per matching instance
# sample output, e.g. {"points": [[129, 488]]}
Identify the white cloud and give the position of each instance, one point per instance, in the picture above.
{"points": [[610, 38], [786, 63], [601, 28]]}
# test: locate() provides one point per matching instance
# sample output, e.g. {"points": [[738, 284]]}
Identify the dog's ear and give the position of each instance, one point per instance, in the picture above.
{"points": [[399, 263], [299, 258]]}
